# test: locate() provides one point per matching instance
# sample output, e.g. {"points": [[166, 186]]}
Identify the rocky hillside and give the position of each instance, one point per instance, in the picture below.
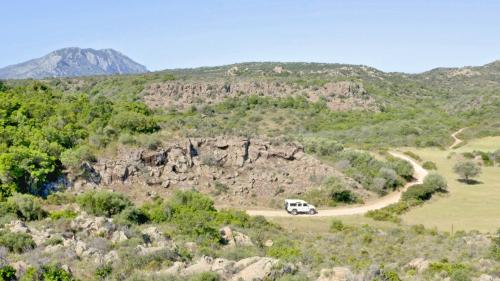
{"points": [[235, 171], [70, 62], [343, 95]]}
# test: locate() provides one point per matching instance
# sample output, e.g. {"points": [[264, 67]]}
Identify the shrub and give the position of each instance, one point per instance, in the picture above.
{"points": [[220, 188], [60, 198], [403, 168], [7, 273], [413, 155], [27, 207], [103, 203], [435, 182], [205, 276], [284, 249], [336, 225], [418, 192], [344, 196], [72, 158], [429, 165], [390, 276], [103, 272], [66, 214], [16, 242], [55, 273], [132, 215], [157, 211]]}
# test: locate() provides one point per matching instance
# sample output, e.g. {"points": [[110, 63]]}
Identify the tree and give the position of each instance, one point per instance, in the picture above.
{"points": [[435, 182], [467, 170]]}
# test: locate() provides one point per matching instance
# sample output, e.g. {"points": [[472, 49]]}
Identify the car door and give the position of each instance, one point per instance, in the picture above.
{"points": [[305, 208]]}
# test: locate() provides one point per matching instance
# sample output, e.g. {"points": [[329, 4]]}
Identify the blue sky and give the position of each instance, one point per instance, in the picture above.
{"points": [[410, 36]]}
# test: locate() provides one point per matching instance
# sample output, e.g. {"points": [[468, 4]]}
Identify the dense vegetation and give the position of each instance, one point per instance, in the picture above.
{"points": [[41, 129]]}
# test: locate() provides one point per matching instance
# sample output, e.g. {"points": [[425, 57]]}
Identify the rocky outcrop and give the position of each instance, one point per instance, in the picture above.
{"points": [[249, 269], [238, 171], [235, 239], [343, 95]]}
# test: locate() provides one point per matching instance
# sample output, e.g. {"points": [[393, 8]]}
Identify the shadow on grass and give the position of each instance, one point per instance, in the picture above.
{"points": [[470, 181]]}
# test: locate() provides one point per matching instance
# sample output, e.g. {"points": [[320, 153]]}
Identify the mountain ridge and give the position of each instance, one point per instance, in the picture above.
{"points": [[72, 62]]}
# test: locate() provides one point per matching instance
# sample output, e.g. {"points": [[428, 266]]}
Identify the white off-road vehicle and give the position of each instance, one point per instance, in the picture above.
{"points": [[297, 206]]}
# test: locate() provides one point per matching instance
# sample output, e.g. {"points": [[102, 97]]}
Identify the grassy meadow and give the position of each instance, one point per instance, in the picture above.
{"points": [[465, 207]]}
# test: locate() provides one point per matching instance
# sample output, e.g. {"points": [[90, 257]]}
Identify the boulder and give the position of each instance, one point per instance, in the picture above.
{"points": [[336, 274], [418, 264], [111, 257], [234, 238], [203, 264], [259, 269], [222, 266], [119, 236], [17, 226]]}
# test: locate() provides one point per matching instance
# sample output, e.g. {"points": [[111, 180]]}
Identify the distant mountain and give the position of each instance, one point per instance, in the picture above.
{"points": [[70, 62]]}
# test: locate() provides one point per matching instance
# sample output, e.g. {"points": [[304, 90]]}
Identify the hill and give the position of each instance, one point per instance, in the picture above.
{"points": [[71, 62]]}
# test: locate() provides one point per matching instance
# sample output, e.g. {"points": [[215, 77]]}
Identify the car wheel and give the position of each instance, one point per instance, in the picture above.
{"points": [[294, 212], [312, 212]]}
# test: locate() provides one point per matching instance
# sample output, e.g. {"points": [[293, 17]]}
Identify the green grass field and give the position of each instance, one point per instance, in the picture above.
{"points": [[311, 224], [465, 207]]}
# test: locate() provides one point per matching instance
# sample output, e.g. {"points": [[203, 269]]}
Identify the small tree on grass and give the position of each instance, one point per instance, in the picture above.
{"points": [[467, 170]]}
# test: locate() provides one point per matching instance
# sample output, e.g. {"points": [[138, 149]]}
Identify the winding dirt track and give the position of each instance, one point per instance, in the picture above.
{"points": [[419, 175], [457, 140]]}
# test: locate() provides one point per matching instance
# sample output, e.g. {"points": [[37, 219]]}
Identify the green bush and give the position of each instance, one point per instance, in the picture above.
{"points": [[131, 215], [336, 225], [60, 198], [16, 242], [418, 192], [103, 203], [26, 207], [344, 196], [413, 155], [205, 276], [55, 273], [435, 182], [103, 272], [284, 249], [7, 273], [66, 214], [72, 158], [429, 165]]}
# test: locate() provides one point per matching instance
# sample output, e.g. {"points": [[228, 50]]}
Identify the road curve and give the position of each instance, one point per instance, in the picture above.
{"points": [[457, 140], [394, 197]]}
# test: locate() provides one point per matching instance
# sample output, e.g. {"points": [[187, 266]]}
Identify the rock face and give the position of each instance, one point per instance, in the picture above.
{"points": [[236, 171], [344, 95], [249, 269], [70, 62]]}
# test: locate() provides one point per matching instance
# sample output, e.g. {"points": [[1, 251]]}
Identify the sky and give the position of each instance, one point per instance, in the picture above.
{"points": [[408, 36]]}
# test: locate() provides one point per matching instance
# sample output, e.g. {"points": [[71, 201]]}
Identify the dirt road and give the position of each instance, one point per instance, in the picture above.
{"points": [[419, 175], [457, 140]]}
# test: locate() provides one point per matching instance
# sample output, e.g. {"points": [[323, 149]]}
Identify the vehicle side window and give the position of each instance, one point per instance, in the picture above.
{"points": [[299, 204], [305, 205], [293, 204]]}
